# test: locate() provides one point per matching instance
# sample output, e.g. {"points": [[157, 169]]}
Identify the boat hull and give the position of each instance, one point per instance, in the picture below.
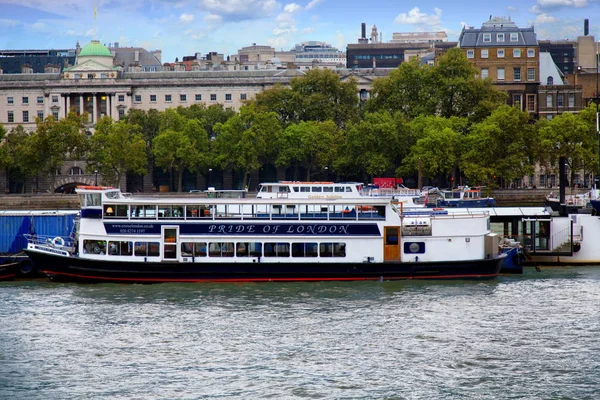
{"points": [[73, 268], [8, 271]]}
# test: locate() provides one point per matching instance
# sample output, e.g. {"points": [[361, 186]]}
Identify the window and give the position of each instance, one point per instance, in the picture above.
{"points": [[500, 53], [517, 73], [500, 74], [121, 113], [138, 98], [103, 76], [55, 115], [548, 100], [198, 97], [548, 116], [550, 81], [484, 53], [40, 99], [213, 97], [516, 53], [531, 74], [500, 37], [531, 102], [121, 98], [55, 99], [25, 116], [514, 37], [518, 101], [11, 116], [485, 72], [470, 53], [153, 98], [227, 96], [243, 96], [559, 100], [75, 171], [10, 100], [40, 115], [168, 98], [182, 97], [530, 53], [25, 100], [571, 100], [487, 37]]}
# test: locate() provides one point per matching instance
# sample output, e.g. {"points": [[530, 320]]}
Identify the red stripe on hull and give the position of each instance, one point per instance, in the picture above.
{"points": [[10, 276]]}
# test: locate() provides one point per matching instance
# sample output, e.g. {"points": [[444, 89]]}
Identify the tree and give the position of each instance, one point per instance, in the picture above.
{"points": [[319, 95], [310, 144], [450, 88], [181, 150], [500, 146], [570, 136], [370, 146], [437, 146], [56, 141], [246, 141], [117, 148]]}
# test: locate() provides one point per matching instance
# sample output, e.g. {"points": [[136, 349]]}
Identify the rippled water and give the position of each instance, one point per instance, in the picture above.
{"points": [[535, 336]]}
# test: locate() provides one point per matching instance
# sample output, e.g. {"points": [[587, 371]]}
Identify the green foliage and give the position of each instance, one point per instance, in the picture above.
{"points": [[500, 146], [319, 96], [115, 149]]}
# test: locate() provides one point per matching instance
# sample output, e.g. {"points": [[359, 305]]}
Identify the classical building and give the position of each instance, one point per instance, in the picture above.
{"points": [[97, 85]]}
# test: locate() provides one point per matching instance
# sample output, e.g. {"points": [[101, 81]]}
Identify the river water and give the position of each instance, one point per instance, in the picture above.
{"points": [[535, 336]]}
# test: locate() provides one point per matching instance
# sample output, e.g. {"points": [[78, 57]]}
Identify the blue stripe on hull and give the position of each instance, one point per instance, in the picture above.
{"points": [[75, 269]]}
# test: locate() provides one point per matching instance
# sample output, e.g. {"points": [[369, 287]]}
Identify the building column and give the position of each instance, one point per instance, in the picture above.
{"points": [[47, 100], [63, 106], [81, 109], [114, 111], [108, 105], [95, 109], [68, 109]]}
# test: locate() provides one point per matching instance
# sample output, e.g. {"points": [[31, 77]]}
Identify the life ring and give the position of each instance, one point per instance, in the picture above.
{"points": [[58, 241]]}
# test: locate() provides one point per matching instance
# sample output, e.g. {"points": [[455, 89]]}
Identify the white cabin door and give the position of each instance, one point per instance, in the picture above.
{"points": [[391, 243], [170, 238]]}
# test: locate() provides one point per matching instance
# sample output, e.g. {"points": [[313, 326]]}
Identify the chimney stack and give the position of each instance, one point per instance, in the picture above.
{"points": [[363, 30], [586, 27]]}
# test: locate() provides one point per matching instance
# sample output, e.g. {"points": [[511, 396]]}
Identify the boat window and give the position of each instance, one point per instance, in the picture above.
{"points": [[348, 189], [277, 249], [283, 189], [122, 210], [191, 211], [90, 199], [317, 189], [339, 249], [339, 189], [218, 249], [112, 195], [296, 189], [121, 248], [328, 189], [304, 250], [94, 246], [109, 210], [304, 189], [326, 249], [248, 249], [143, 211], [187, 249], [146, 249]]}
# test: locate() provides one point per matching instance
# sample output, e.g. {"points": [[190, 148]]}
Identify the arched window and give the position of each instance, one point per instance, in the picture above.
{"points": [[75, 171], [550, 81]]}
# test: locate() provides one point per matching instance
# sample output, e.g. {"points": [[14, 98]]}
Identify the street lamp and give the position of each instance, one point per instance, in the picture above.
{"points": [[209, 177], [96, 173]]}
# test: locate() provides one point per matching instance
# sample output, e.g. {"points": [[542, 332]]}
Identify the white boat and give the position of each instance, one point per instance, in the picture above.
{"points": [[337, 190], [120, 238]]}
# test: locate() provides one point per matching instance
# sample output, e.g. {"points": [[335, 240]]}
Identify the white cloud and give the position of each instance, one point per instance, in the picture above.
{"points": [[291, 8], [418, 18], [186, 17], [554, 4], [312, 4], [545, 19], [8, 23], [213, 19], [512, 8], [340, 40], [240, 9], [308, 30]]}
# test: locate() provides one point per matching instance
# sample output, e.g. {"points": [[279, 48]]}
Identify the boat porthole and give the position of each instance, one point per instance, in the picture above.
{"points": [[58, 241]]}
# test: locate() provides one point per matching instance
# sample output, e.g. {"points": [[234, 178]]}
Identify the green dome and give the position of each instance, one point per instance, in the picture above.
{"points": [[94, 49]]}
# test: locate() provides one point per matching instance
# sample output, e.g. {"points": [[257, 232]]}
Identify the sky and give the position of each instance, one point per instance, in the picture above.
{"points": [[186, 27]]}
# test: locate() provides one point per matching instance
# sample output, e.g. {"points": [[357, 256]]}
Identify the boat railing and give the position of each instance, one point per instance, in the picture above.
{"points": [[51, 242]]}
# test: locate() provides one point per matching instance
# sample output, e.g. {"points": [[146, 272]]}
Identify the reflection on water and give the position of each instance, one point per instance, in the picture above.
{"points": [[530, 336]]}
